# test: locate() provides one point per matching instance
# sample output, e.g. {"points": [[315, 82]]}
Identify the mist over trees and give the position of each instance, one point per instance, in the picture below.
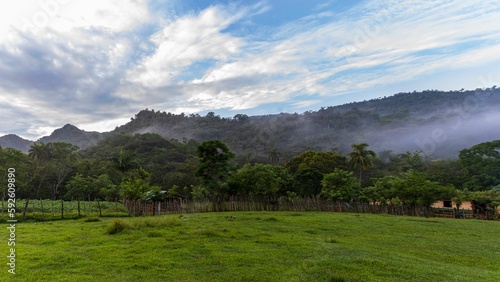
{"points": [[332, 153], [437, 123]]}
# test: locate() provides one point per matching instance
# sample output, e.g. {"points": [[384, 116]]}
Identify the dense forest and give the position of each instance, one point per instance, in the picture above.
{"points": [[148, 167], [438, 123]]}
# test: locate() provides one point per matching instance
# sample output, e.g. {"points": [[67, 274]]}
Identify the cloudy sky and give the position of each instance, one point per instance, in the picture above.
{"points": [[96, 63]]}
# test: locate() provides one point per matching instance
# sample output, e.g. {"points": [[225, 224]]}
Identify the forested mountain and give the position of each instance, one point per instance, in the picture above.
{"points": [[437, 123], [71, 134]]}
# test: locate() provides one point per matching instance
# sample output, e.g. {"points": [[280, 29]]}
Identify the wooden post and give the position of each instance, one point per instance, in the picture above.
{"points": [[26, 208], [43, 214], [99, 206]]}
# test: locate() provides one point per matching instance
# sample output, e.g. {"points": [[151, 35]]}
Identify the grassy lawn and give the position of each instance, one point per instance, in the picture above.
{"points": [[257, 246]]}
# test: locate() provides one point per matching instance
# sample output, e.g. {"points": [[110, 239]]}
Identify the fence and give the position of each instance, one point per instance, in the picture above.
{"points": [[179, 205], [42, 210]]}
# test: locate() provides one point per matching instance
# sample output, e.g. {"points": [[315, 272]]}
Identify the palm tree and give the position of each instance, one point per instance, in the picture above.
{"points": [[361, 158], [39, 151], [274, 156]]}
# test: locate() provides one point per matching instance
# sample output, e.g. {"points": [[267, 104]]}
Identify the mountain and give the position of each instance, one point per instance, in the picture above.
{"points": [[72, 134], [438, 123], [16, 142]]}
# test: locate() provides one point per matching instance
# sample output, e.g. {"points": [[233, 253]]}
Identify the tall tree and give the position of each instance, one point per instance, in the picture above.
{"points": [[214, 167], [39, 151], [361, 158], [274, 156]]}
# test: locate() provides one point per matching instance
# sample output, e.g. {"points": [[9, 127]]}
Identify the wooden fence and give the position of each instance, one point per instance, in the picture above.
{"points": [[42, 210], [179, 205]]}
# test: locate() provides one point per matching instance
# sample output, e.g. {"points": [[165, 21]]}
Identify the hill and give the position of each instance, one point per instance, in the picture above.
{"points": [[438, 123], [72, 134], [16, 142]]}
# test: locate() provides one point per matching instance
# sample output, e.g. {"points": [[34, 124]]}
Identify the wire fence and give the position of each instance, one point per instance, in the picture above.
{"points": [[44, 210]]}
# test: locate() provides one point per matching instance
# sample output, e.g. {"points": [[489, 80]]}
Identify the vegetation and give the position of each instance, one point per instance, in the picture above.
{"points": [[148, 168], [263, 246]]}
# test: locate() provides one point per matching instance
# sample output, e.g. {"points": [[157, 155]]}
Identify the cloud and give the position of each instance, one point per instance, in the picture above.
{"points": [[92, 61], [185, 41]]}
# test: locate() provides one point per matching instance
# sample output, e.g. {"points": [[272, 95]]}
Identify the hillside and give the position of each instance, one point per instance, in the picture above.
{"points": [[16, 142], [436, 122], [71, 134]]}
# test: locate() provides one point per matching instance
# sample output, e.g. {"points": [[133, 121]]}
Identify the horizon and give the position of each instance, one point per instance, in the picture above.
{"points": [[97, 63]]}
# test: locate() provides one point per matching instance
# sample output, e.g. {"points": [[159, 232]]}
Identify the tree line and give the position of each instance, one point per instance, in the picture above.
{"points": [[148, 167]]}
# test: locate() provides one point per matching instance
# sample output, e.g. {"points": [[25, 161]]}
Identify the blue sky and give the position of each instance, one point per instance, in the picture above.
{"points": [[96, 63]]}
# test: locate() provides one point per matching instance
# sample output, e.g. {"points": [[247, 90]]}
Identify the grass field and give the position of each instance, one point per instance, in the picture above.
{"points": [[257, 246]]}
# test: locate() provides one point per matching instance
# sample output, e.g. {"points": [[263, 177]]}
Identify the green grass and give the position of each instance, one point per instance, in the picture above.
{"points": [[258, 246]]}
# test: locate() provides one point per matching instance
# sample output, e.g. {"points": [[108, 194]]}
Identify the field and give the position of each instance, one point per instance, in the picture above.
{"points": [[257, 246]]}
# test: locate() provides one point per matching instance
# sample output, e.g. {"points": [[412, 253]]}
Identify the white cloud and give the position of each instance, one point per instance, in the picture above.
{"points": [[185, 41], [90, 61]]}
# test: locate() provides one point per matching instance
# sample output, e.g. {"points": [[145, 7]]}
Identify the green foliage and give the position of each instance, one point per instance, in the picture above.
{"points": [[409, 188], [11, 158], [360, 158], [324, 162], [117, 226], [485, 202], [101, 187], [256, 180], [481, 163], [214, 167], [136, 185], [340, 185]]}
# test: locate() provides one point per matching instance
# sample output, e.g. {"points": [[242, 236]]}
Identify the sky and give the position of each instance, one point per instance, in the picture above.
{"points": [[96, 63]]}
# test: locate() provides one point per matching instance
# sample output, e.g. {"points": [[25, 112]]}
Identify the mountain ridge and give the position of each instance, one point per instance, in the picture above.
{"points": [[436, 122]]}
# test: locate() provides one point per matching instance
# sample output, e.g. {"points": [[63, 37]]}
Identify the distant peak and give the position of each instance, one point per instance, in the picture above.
{"points": [[69, 126]]}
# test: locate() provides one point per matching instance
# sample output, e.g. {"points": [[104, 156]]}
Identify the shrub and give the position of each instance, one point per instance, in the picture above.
{"points": [[117, 226]]}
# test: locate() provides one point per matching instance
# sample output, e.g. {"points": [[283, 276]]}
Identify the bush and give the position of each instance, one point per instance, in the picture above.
{"points": [[117, 226]]}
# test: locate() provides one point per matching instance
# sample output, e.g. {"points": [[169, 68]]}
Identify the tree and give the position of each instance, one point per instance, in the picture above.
{"points": [[340, 185], [481, 163], [256, 180], [409, 188], [136, 185], [214, 167], [324, 162], [360, 158], [39, 151], [274, 156]]}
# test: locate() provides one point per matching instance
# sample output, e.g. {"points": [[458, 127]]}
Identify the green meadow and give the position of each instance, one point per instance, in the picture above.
{"points": [[256, 246]]}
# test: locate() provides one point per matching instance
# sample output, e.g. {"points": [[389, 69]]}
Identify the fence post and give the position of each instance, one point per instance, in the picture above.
{"points": [[43, 214], [99, 206]]}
